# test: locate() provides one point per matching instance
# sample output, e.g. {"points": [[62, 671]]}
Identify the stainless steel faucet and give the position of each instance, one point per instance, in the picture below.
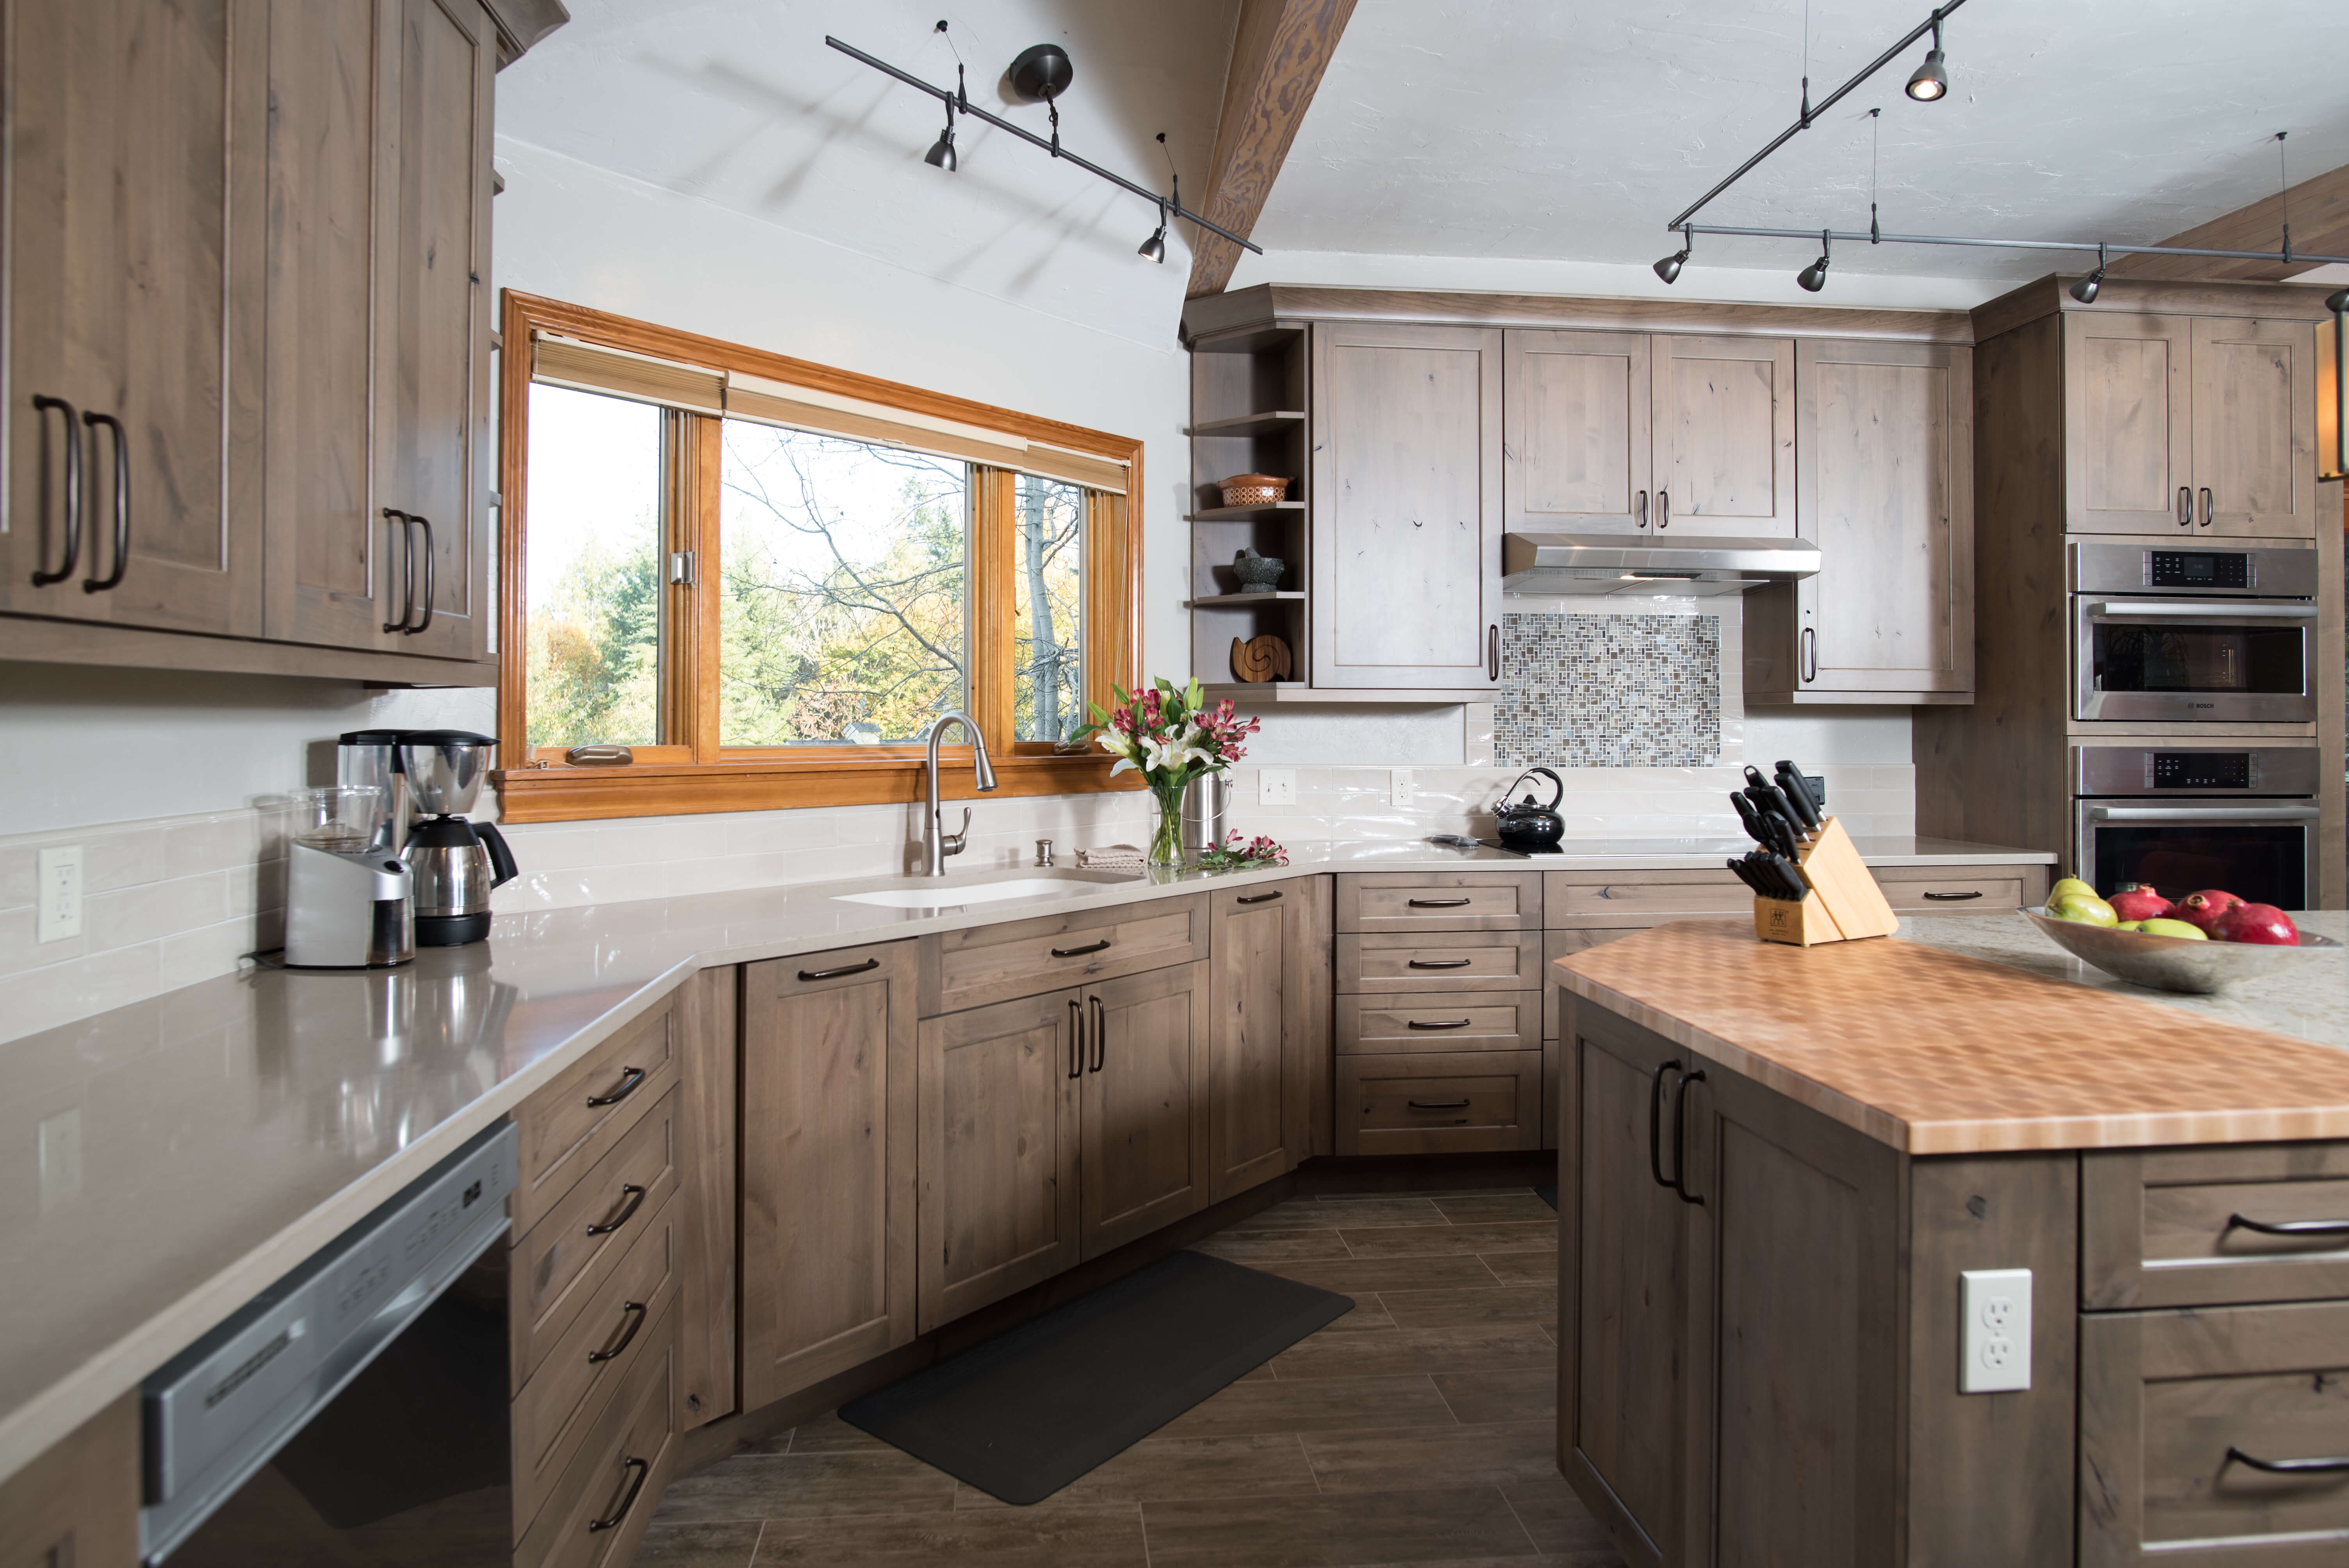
{"points": [[936, 842]]}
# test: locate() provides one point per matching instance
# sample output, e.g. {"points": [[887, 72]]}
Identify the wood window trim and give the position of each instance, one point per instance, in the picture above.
{"points": [[698, 776]]}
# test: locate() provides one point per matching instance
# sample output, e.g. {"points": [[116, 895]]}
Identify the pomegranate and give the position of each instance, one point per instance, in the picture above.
{"points": [[2136, 902], [2202, 908], [2261, 922]]}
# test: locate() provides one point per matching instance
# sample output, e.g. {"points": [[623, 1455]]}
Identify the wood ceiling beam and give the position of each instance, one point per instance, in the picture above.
{"points": [[1278, 53], [2319, 223]]}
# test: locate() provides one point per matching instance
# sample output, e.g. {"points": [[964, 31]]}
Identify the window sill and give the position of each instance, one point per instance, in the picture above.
{"points": [[564, 794]]}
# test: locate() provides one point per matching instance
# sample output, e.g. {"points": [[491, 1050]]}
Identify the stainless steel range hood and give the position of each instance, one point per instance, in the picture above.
{"points": [[1637, 565]]}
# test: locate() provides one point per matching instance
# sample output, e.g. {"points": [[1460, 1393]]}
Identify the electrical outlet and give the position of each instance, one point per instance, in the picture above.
{"points": [[1275, 787], [60, 893], [1399, 788], [1995, 1330]]}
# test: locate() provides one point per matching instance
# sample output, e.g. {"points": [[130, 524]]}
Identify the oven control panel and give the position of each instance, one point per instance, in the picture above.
{"points": [[2250, 572], [2281, 770], [2199, 569]]}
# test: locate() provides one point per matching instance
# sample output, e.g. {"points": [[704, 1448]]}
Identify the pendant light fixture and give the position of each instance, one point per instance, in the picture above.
{"points": [[1155, 247], [941, 154], [2084, 291], [1929, 82], [1814, 277]]}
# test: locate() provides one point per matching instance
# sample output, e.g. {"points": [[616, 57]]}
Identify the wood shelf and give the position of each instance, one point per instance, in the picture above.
{"points": [[1300, 693], [1216, 601], [1264, 424], [1247, 513]]}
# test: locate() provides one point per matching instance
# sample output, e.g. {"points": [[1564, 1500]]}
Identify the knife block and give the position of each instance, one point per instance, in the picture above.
{"points": [[1842, 905]]}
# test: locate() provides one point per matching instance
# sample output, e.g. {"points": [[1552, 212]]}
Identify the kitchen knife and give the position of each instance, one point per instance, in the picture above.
{"points": [[1784, 870], [1778, 832], [1750, 817], [1775, 800], [1737, 868], [1798, 790]]}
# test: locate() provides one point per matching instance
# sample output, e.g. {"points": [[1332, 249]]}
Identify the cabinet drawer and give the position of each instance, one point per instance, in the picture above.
{"points": [[1576, 899], [1447, 1021], [1439, 961], [566, 1127], [1440, 900], [555, 1408], [620, 1472], [2167, 1227], [1028, 957], [1919, 889], [1441, 1104], [566, 1258], [2172, 1404]]}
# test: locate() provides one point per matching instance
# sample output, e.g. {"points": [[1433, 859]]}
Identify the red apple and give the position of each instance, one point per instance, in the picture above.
{"points": [[2261, 923], [2139, 903], [2202, 908]]}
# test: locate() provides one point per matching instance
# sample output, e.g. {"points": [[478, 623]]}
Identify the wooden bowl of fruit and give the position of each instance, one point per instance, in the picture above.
{"points": [[2203, 942]]}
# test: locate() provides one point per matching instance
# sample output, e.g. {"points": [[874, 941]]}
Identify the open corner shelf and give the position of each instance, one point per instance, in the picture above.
{"points": [[1264, 424], [1247, 513]]}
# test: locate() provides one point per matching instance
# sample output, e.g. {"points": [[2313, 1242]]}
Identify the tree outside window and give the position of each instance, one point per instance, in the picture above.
{"points": [[1048, 699]]}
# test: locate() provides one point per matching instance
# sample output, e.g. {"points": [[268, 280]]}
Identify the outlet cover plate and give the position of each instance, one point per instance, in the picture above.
{"points": [[1995, 1330], [60, 893], [1398, 785]]}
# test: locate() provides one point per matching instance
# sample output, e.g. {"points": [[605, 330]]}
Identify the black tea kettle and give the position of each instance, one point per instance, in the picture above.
{"points": [[1525, 824]]}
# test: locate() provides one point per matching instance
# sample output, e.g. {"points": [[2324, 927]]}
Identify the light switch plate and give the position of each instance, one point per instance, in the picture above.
{"points": [[1995, 1330], [1275, 787], [59, 914], [1398, 786]]}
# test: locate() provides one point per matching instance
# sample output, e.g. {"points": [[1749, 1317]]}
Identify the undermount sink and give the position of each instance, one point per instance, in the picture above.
{"points": [[926, 893]]}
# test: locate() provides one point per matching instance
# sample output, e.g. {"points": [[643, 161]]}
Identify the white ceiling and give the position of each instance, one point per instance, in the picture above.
{"points": [[1575, 130]]}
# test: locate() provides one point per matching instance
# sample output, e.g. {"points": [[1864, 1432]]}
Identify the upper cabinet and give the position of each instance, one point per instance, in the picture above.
{"points": [[2190, 426], [1627, 432], [1406, 507]]}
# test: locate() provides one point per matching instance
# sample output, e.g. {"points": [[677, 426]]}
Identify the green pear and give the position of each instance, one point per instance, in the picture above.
{"points": [[2130, 925], [2083, 906], [2158, 927], [2068, 888]]}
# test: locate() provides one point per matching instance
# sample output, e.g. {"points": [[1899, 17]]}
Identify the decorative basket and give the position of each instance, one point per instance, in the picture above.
{"points": [[1253, 490]]}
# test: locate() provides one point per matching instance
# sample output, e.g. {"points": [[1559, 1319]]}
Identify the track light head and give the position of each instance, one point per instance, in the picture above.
{"points": [[941, 154], [1155, 247], [2338, 302], [2084, 291], [1669, 269], [1814, 277], [1930, 80]]}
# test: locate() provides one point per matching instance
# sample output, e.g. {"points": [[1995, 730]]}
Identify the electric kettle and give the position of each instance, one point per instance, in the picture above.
{"points": [[1526, 824]]}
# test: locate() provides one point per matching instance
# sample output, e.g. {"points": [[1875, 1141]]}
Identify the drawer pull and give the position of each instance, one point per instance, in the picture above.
{"points": [[631, 1079], [1099, 947], [626, 1335], [866, 967], [1954, 897], [1257, 898], [633, 1198], [2290, 1227], [2290, 1467], [1437, 1024], [1439, 902], [612, 1521], [1437, 1104], [1440, 963]]}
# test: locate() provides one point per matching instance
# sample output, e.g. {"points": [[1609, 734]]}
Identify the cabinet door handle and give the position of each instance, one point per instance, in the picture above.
{"points": [[425, 524], [1437, 1104], [1256, 898], [631, 1079], [41, 405], [642, 1468], [865, 967], [1101, 946], [633, 1310], [1076, 1039], [398, 520], [1954, 897], [2207, 510], [1641, 507], [1656, 1123], [1440, 963], [2288, 1467], [1492, 651], [1663, 508], [1100, 1032], [1439, 902], [1680, 1140], [632, 1198], [95, 583], [1437, 1023], [1810, 653], [2185, 505], [2289, 1227]]}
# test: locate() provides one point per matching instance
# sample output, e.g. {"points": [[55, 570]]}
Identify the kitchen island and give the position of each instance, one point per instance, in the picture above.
{"points": [[1783, 1162]]}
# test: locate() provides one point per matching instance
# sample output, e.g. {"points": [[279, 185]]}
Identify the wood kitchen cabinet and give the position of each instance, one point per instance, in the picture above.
{"points": [[1406, 516], [77, 1506], [828, 1259], [1666, 434], [1143, 1117], [1269, 1041]]}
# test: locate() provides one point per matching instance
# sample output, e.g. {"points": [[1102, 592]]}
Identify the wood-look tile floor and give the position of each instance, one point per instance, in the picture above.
{"points": [[1418, 1428]]}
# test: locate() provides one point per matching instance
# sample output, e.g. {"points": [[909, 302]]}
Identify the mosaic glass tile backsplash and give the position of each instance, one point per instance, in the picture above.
{"points": [[1609, 691]]}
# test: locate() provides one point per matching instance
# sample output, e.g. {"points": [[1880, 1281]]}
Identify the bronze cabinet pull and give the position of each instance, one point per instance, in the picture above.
{"points": [[1438, 903], [1492, 651], [65, 568], [2208, 511], [1641, 505], [425, 524], [1436, 1023], [2185, 505], [2289, 1227], [1080, 952], [1810, 654], [1656, 1121], [1440, 963], [866, 967], [1076, 1039], [398, 519], [1663, 508], [1100, 1032], [1437, 1104], [637, 1321], [1680, 1140], [94, 583], [2290, 1467], [633, 1199], [1256, 898], [1954, 897], [631, 1079], [643, 1469]]}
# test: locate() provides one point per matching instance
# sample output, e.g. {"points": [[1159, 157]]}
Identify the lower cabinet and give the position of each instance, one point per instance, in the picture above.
{"points": [[77, 1506], [1268, 1050], [1142, 1119], [827, 1163]]}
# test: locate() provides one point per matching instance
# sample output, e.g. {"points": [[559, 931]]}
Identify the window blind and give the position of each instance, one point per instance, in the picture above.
{"points": [[591, 367]]}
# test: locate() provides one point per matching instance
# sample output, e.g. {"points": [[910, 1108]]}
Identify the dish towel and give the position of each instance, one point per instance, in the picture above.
{"points": [[1110, 857]]}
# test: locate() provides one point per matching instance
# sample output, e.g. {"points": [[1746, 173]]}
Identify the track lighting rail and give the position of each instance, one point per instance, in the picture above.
{"points": [[1864, 237], [960, 103]]}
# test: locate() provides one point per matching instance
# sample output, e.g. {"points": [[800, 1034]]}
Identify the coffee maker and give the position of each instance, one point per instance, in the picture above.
{"points": [[347, 900], [454, 862]]}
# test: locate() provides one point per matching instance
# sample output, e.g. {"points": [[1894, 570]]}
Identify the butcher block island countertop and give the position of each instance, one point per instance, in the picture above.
{"points": [[1934, 1051]]}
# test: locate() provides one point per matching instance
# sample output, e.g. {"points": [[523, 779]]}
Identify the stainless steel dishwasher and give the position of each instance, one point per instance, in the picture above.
{"points": [[357, 1410]]}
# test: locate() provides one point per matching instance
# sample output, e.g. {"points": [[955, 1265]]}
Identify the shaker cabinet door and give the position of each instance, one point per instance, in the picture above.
{"points": [[121, 503], [1270, 1033], [1722, 418], [1406, 507], [1576, 408], [2254, 425], [1144, 1141], [2127, 424]]}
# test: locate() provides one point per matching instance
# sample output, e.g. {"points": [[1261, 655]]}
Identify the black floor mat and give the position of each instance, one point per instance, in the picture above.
{"points": [[1548, 1195], [1030, 1410]]}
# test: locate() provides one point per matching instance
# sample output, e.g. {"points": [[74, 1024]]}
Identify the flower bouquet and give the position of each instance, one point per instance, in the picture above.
{"points": [[1231, 855], [1170, 736]]}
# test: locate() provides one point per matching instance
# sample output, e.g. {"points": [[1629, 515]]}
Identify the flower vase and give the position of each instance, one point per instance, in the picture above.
{"points": [[1167, 826]]}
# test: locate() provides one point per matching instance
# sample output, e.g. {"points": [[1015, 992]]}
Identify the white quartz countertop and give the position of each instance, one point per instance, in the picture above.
{"points": [[160, 1163]]}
